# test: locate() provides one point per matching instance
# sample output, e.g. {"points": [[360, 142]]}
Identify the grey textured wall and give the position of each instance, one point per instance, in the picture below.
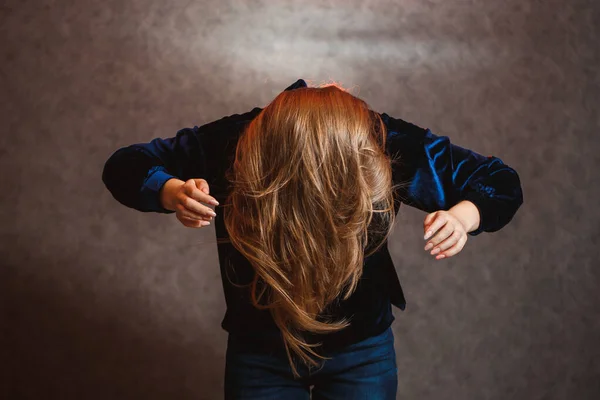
{"points": [[100, 301]]}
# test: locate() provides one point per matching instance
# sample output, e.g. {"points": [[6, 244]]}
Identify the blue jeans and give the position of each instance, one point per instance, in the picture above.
{"points": [[365, 370]]}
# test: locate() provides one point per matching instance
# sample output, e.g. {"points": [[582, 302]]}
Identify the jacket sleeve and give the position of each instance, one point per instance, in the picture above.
{"points": [[434, 174], [135, 174]]}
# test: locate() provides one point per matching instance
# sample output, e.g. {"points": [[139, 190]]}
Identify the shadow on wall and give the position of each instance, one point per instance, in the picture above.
{"points": [[66, 342]]}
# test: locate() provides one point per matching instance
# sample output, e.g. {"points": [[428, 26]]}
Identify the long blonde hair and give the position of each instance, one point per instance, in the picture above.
{"points": [[312, 195]]}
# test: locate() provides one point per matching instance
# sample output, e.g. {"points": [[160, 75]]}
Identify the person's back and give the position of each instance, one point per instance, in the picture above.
{"points": [[308, 191]]}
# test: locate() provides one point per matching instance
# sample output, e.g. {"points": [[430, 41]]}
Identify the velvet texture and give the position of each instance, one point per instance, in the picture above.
{"points": [[440, 174]]}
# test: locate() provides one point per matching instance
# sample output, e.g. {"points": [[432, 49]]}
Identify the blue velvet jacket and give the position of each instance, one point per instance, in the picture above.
{"points": [[440, 173]]}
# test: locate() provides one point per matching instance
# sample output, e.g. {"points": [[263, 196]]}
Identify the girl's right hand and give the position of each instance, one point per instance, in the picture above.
{"points": [[186, 198]]}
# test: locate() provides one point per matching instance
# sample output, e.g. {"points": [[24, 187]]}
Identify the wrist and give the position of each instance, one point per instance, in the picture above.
{"points": [[468, 214], [165, 193]]}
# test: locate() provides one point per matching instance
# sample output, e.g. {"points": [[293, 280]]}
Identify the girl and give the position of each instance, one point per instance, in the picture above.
{"points": [[306, 192]]}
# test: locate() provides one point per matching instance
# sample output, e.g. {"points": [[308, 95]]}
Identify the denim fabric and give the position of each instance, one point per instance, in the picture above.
{"points": [[364, 370]]}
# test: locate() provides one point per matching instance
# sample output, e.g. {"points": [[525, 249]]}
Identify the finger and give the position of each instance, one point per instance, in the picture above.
{"points": [[434, 224], [428, 220], [198, 190], [193, 216], [193, 208], [202, 184], [450, 241], [193, 223], [440, 235], [458, 246]]}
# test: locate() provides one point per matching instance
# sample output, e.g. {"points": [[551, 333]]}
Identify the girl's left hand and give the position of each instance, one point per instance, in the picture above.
{"points": [[449, 234]]}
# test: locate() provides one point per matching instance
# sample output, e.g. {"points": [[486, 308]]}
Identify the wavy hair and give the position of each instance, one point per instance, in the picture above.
{"points": [[312, 196]]}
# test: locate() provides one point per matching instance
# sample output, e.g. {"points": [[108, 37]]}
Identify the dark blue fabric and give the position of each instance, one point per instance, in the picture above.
{"points": [[364, 370], [437, 175]]}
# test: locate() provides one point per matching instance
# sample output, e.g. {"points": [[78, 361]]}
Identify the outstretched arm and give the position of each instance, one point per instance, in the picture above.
{"points": [[135, 174], [440, 175]]}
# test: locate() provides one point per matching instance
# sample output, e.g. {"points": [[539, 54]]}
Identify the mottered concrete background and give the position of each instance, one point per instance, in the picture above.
{"points": [[100, 301]]}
